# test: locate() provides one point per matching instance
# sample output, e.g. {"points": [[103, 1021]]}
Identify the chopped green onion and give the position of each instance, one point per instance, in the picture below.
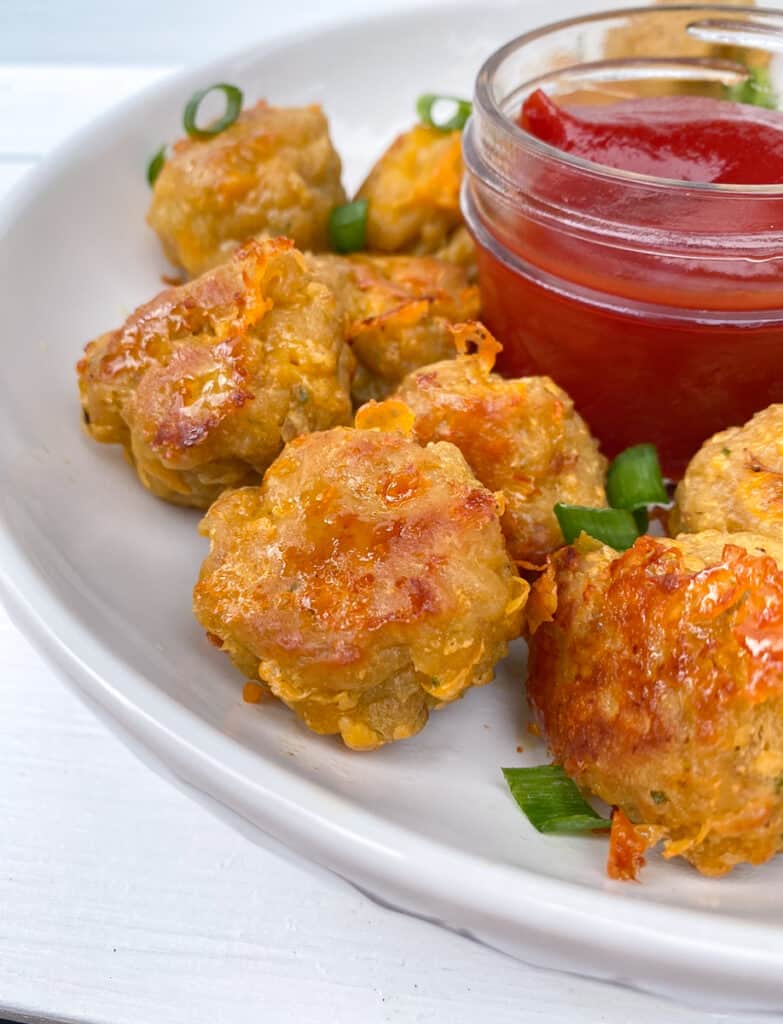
{"points": [[348, 226], [233, 109], [613, 526], [642, 519], [634, 480], [458, 112], [155, 166], [756, 89], [551, 801]]}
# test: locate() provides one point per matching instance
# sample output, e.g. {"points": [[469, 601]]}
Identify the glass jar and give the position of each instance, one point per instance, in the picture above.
{"points": [[657, 304]]}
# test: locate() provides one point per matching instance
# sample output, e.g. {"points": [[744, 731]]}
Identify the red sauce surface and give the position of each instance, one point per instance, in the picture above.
{"points": [[660, 371], [689, 138]]}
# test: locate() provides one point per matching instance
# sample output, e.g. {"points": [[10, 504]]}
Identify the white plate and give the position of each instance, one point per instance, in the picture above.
{"points": [[100, 574]]}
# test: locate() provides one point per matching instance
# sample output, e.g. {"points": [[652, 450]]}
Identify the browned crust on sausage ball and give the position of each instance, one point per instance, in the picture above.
{"points": [[398, 311], [657, 675], [735, 481], [364, 582], [273, 172], [204, 384], [522, 437], [413, 194]]}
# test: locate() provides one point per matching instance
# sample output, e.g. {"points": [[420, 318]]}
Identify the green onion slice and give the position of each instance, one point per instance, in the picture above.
{"points": [[348, 226], [551, 801], [756, 89], [613, 526], [457, 111], [155, 166], [634, 480], [233, 108], [642, 519]]}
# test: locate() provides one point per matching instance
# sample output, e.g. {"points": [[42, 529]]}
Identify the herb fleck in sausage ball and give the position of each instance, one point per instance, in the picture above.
{"points": [[273, 172], [522, 437], [735, 481], [365, 582], [657, 675], [413, 196], [204, 384], [398, 311]]}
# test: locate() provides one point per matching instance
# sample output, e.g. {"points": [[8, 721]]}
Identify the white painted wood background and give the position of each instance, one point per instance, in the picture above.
{"points": [[121, 900]]}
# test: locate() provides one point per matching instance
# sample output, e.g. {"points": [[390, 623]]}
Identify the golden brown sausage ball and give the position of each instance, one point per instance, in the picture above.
{"points": [[657, 675], [735, 481], [204, 384], [398, 310], [413, 196], [521, 437], [273, 172], [364, 583]]}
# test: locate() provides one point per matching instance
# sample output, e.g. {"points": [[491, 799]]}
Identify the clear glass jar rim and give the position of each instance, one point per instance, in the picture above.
{"points": [[485, 102]]}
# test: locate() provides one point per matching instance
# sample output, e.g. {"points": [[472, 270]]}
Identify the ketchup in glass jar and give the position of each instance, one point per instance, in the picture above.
{"points": [[632, 250], [687, 138]]}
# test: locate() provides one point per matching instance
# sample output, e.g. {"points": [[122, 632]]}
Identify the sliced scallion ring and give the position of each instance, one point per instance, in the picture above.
{"points": [[348, 226], [457, 111], [155, 166], [233, 109], [634, 480], [551, 801], [613, 526]]}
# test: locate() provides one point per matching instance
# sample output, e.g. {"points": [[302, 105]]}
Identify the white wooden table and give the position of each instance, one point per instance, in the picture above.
{"points": [[121, 900]]}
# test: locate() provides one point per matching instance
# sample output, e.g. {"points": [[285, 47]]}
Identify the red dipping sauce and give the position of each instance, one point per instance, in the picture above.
{"points": [[634, 252], [689, 138]]}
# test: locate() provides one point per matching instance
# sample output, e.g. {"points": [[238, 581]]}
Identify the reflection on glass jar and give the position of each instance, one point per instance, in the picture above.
{"points": [[657, 303]]}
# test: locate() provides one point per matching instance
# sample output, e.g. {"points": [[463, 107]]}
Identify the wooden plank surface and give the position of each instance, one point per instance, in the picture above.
{"points": [[121, 899]]}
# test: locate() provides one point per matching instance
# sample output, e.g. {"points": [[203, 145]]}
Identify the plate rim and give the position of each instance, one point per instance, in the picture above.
{"points": [[686, 952]]}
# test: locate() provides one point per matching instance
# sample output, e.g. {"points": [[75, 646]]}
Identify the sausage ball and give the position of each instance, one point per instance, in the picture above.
{"points": [[398, 311], [204, 384], [735, 481], [273, 172], [657, 675], [413, 196], [522, 437], [364, 582]]}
